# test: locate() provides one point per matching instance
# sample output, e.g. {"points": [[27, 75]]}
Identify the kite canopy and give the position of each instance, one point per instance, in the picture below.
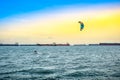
{"points": [[81, 25]]}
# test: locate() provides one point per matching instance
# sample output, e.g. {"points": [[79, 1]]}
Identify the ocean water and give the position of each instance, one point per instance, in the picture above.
{"points": [[60, 63]]}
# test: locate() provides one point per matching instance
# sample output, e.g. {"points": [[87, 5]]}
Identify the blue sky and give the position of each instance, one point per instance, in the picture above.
{"points": [[15, 7], [34, 21]]}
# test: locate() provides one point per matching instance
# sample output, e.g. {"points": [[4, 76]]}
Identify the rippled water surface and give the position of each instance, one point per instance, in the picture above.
{"points": [[60, 63]]}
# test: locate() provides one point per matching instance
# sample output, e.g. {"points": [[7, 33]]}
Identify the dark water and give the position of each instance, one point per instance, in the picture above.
{"points": [[60, 63]]}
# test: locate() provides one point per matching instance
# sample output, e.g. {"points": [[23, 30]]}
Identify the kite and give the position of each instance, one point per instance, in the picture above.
{"points": [[81, 25]]}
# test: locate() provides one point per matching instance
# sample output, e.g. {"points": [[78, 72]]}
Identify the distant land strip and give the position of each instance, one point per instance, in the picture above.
{"points": [[67, 44]]}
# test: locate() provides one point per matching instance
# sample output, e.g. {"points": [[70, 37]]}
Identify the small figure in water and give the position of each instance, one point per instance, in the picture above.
{"points": [[35, 52]]}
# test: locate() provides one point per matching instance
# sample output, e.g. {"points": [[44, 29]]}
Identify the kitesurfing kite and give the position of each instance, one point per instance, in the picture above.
{"points": [[81, 25]]}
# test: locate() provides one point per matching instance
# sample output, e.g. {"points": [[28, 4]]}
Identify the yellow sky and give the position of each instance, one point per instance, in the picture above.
{"points": [[100, 26]]}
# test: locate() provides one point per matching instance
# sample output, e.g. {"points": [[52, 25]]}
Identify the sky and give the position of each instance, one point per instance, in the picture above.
{"points": [[48, 21]]}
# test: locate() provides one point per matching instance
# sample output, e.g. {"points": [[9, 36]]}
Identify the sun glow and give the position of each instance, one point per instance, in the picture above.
{"points": [[100, 26]]}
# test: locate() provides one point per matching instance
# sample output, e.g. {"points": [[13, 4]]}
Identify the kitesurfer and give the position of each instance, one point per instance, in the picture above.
{"points": [[35, 52]]}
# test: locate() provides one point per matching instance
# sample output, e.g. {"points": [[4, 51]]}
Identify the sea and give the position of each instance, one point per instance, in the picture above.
{"points": [[60, 63]]}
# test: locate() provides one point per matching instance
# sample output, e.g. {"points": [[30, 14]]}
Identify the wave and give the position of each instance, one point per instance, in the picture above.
{"points": [[85, 73], [29, 78], [32, 71], [116, 74]]}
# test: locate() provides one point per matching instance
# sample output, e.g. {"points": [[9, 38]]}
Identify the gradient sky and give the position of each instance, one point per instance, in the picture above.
{"points": [[47, 21]]}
